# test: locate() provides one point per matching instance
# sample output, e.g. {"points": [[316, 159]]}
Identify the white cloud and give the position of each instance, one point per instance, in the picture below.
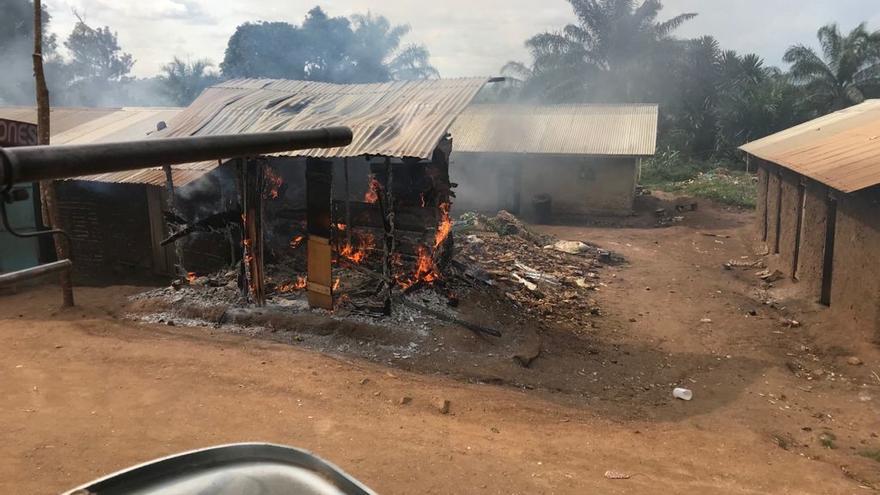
{"points": [[466, 37]]}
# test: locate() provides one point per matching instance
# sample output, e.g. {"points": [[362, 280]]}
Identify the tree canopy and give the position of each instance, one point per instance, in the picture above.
{"points": [[712, 100], [16, 47], [365, 48], [847, 71]]}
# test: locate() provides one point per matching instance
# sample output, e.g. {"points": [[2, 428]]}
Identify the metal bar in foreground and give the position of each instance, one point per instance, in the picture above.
{"points": [[35, 163], [20, 276]]}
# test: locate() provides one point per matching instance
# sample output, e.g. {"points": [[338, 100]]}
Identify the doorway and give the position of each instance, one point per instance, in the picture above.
{"points": [[828, 261]]}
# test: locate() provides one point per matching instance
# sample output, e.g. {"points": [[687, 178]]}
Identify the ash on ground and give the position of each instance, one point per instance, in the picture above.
{"points": [[501, 273]]}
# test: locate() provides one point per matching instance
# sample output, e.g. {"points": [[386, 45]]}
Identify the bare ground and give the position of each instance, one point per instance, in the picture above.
{"points": [[776, 409]]}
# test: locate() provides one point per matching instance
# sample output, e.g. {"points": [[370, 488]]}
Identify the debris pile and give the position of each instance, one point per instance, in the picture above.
{"points": [[544, 276]]}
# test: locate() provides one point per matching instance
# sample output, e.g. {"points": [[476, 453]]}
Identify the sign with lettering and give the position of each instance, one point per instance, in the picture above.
{"points": [[15, 133]]}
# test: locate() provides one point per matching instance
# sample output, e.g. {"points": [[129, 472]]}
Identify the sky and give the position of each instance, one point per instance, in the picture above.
{"points": [[465, 37]]}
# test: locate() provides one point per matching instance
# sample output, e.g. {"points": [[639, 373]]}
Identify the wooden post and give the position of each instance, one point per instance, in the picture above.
{"points": [[347, 203], [48, 196], [319, 180], [251, 188], [171, 206], [389, 246]]}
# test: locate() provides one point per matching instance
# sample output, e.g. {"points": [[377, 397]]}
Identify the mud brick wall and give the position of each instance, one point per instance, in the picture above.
{"points": [[761, 207], [855, 291], [773, 198], [812, 250], [788, 222], [110, 230]]}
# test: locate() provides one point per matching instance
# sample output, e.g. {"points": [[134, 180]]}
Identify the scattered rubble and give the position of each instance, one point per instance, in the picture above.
{"points": [[854, 361], [442, 405], [617, 475], [770, 276], [789, 323], [544, 276]]}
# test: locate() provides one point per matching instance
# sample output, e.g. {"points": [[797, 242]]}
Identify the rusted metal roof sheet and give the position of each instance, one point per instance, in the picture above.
{"points": [[107, 125], [626, 129], [62, 118], [841, 149], [399, 119]]}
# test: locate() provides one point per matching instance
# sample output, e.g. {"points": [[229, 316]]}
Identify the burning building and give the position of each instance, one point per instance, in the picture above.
{"points": [[378, 207], [559, 160], [818, 212]]}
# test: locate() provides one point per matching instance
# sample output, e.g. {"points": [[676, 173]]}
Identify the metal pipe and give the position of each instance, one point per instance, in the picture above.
{"points": [[13, 278], [35, 163], [4, 218]]}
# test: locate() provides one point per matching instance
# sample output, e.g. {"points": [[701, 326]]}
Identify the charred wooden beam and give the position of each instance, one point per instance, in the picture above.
{"points": [[411, 218], [251, 189]]}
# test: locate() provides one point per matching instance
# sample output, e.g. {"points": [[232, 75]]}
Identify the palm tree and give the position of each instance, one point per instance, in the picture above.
{"points": [[847, 71], [378, 55], [605, 54], [183, 81]]}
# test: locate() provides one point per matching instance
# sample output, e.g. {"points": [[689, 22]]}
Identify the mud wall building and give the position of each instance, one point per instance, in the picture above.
{"points": [[818, 215], [586, 158], [114, 220]]}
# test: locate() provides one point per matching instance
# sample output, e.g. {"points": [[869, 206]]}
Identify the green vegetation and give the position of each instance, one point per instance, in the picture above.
{"points": [[717, 180], [871, 454], [712, 100], [827, 440]]}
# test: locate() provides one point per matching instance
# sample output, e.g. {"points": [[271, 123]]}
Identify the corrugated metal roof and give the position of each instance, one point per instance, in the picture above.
{"points": [[62, 118], [626, 129], [400, 119], [107, 125], [841, 149]]}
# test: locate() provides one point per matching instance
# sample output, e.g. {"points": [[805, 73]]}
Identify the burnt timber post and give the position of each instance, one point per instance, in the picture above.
{"points": [[390, 244], [251, 183], [319, 183]]}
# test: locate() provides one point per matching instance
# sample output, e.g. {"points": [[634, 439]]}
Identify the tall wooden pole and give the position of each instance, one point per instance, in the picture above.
{"points": [[48, 197], [171, 205]]}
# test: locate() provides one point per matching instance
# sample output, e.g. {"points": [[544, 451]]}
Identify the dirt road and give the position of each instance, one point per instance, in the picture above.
{"points": [[86, 392]]}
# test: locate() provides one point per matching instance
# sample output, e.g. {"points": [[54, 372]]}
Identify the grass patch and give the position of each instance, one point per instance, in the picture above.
{"points": [[871, 454], [827, 439], [668, 171], [723, 186]]}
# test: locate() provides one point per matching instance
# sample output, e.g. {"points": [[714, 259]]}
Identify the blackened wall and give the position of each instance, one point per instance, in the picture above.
{"points": [[110, 230]]}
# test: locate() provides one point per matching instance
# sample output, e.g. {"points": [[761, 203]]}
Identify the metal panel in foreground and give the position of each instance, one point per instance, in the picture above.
{"points": [[241, 469]]}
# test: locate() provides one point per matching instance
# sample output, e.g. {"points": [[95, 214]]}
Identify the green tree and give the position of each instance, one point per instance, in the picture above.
{"points": [[98, 68], [847, 72], [754, 101], [265, 49], [365, 48], [16, 49], [605, 56], [96, 55], [183, 81]]}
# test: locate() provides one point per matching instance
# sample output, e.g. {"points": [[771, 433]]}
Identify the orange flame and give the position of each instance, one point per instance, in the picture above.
{"points": [[426, 270], [287, 287], [372, 194], [357, 254], [272, 185], [296, 241], [445, 226], [341, 227], [191, 277], [336, 284]]}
